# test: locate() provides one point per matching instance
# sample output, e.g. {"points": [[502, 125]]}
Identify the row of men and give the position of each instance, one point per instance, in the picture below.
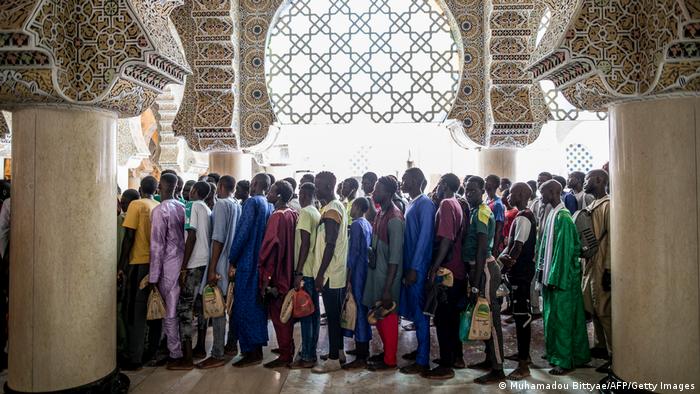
{"points": [[387, 254]]}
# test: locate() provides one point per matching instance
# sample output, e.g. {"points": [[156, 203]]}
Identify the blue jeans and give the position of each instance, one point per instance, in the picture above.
{"points": [[310, 325]]}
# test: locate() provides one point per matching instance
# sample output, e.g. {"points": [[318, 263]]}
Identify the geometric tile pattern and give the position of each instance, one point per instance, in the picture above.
{"points": [[207, 115], [578, 158], [386, 61], [602, 51], [111, 54]]}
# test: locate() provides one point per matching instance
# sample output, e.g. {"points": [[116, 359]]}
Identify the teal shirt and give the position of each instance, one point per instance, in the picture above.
{"points": [[481, 221]]}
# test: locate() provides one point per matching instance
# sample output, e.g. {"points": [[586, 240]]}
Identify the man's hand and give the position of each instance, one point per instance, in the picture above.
{"points": [[607, 280], [120, 276], [212, 278], [183, 275], [386, 300], [231, 271], [432, 274], [297, 281], [410, 277], [508, 262], [319, 282]]}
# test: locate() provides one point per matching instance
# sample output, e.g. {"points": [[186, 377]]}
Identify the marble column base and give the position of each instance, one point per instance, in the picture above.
{"points": [[114, 383]]}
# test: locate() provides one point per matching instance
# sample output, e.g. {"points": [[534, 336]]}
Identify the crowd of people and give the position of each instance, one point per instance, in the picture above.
{"points": [[400, 251]]}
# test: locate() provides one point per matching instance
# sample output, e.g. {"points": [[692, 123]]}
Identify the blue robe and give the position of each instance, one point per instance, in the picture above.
{"points": [[250, 319], [359, 242], [418, 254]]}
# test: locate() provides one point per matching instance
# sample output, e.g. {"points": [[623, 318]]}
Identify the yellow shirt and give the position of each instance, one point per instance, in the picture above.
{"points": [[337, 270], [309, 217], [138, 217]]}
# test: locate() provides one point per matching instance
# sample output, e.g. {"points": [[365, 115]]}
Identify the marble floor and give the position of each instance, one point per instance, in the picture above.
{"points": [[260, 380]]}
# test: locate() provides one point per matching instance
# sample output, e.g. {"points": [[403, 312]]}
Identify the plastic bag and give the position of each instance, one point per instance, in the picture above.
{"points": [[213, 302], [229, 298], [303, 305], [465, 323], [480, 329], [348, 316], [156, 306]]}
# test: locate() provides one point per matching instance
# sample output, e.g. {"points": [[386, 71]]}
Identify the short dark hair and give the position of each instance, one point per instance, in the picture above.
{"points": [[561, 180], [578, 175], [478, 180], [307, 187], [452, 181], [545, 174], [228, 182], [149, 185], [272, 178], [130, 195], [168, 171], [328, 175], [169, 179], [214, 176], [370, 175], [493, 178], [244, 184], [353, 183], [389, 183], [292, 183], [284, 189], [363, 203], [202, 188]]}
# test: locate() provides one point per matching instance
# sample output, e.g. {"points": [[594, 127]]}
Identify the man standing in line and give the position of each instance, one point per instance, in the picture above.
{"points": [[358, 245], [294, 202], [249, 315], [369, 179], [496, 206], [540, 210], [449, 227], [384, 278], [277, 267], [330, 269], [518, 259], [568, 198], [484, 276], [242, 191], [565, 336], [418, 251], [348, 192], [596, 273], [304, 242], [167, 251], [194, 263], [127, 197], [134, 264], [575, 184]]}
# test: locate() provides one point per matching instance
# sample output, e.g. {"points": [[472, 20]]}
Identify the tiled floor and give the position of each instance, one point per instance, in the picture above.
{"points": [[260, 380]]}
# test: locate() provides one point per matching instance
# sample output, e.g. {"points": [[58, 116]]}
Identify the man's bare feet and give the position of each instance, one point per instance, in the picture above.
{"points": [[492, 377], [519, 373], [559, 371]]}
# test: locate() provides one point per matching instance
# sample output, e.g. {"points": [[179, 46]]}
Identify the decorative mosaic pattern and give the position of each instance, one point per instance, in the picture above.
{"points": [[207, 117], [341, 61], [131, 146], [600, 51], [97, 53], [578, 158], [5, 134]]}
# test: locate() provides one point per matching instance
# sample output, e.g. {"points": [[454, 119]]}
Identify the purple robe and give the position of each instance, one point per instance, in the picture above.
{"points": [[167, 252]]}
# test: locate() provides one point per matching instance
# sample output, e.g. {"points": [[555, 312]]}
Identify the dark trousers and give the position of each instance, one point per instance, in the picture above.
{"points": [[333, 302], [185, 305], [520, 297], [135, 317], [447, 323]]}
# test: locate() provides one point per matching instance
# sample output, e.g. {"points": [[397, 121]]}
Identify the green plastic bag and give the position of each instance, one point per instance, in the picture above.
{"points": [[465, 322]]}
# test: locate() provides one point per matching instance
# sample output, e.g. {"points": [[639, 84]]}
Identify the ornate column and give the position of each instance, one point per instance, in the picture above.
{"points": [[640, 60], [237, 164], [495, 161], [67, 71]]}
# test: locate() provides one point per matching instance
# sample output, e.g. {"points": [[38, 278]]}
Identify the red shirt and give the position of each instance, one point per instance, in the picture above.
{"points": [[449, 223]]}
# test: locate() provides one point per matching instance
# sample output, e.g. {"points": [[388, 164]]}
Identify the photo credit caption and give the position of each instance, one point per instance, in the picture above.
{"points": [[583, 386]]}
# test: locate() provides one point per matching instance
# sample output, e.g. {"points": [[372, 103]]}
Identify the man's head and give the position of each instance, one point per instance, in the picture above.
{"points": [[5, 189], [179, 186], [448, 185], [168, 182], [561, 180], [533, 187], [149, 185], [186, 189], [280, 191], [551, 192], [272, 178], [596, 182], [242, 190], [542, 178], [199, 191], [325, 186], [519, 195], [413, 181], [225, 187], [350, 187], [369, 179], [504, 199], [128, 196], [384, 190], [505, 184], [575, 181], [307, 178], [492, 182], [211, 197], [213, 177], [474, 191], [292, 183], [260, 184], [359, 207], [307, 191]]}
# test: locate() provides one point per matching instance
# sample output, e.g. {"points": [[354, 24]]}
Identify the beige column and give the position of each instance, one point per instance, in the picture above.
{"points": [[63, 260], [499, 162], [237, 164], [655, 147]]}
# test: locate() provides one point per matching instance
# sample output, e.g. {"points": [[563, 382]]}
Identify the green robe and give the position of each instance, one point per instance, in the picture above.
{"points": [[566, 338]]}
